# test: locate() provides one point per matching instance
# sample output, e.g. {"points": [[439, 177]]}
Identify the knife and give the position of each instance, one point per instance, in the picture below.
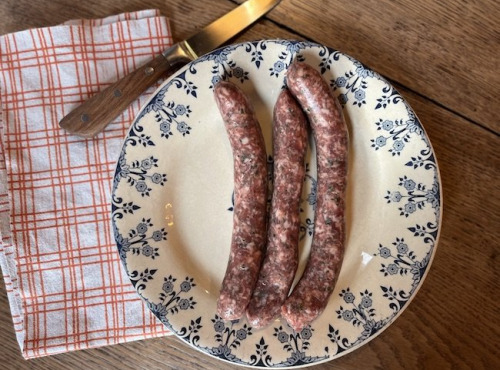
{"points": [[96, 113]]}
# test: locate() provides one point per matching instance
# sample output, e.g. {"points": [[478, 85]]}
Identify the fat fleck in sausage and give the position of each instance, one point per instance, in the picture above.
{"points": [[281, 258], [250, 197], [310, 296]]}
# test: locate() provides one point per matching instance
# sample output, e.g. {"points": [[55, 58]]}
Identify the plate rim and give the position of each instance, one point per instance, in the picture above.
{"points": [[438, 220]]}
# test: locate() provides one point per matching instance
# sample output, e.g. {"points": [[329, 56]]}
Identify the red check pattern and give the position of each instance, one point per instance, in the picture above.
{"points": [[67, 288]]}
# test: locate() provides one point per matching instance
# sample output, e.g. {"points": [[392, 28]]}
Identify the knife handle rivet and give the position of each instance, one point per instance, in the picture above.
{"points": [[117, 93], [84, 117], [149, 71]]}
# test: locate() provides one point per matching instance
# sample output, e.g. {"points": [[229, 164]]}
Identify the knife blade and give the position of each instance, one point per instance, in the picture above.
{"points": [[92, 116]]}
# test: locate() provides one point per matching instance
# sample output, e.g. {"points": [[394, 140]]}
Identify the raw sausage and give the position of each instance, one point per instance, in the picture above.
{"points": [[281, 258], [310, 296], [250, 198]]}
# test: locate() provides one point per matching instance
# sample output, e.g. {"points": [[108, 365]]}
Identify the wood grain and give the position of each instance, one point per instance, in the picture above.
{"points": [[443, 58], [448, 51]]}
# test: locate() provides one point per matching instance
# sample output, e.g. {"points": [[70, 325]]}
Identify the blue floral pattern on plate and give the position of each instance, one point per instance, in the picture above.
{"points": [[173, 188]]}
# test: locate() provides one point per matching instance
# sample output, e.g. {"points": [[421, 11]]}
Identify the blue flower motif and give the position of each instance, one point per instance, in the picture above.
{"points": [[387, 125], [142, 228], [278, 67], [409, 184], [241, 334], [343, 99], [410, 207], [185, 286], [238, 72], [348, 315], [360, 95], [306, 333], [168, 286], [219, 326], [157, 235], [156, 178], [385, 252], [165, 127], [366, 302], [392, 269], [141, 186], [180, 110], [349, 297], [184, 304], [183, 128], [396, 196], [147, 163], [402, 247], [147, 250], [380, 141], [340, 81], [398, 145], [282, 337], [215, 80]]}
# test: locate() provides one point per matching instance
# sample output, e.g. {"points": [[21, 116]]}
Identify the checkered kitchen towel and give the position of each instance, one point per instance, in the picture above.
{"points": [[67, 288]]}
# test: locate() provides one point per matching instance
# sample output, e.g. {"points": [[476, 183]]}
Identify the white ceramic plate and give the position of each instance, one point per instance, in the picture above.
{"points": [[172, 205]]}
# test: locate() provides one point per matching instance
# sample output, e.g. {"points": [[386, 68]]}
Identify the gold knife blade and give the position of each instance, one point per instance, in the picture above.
{"points": [[92, 116], [219, 31]]}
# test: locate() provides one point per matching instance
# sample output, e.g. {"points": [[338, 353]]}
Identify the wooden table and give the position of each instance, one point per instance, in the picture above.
{"points": [[444, 59]]}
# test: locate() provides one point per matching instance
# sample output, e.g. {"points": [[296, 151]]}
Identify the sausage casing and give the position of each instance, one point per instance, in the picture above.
{"points": [[250, 200], [281, 258], [310, 296]]}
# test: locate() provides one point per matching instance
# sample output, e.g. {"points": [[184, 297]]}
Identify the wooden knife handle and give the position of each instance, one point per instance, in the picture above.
{"points": [[95, 114]]}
